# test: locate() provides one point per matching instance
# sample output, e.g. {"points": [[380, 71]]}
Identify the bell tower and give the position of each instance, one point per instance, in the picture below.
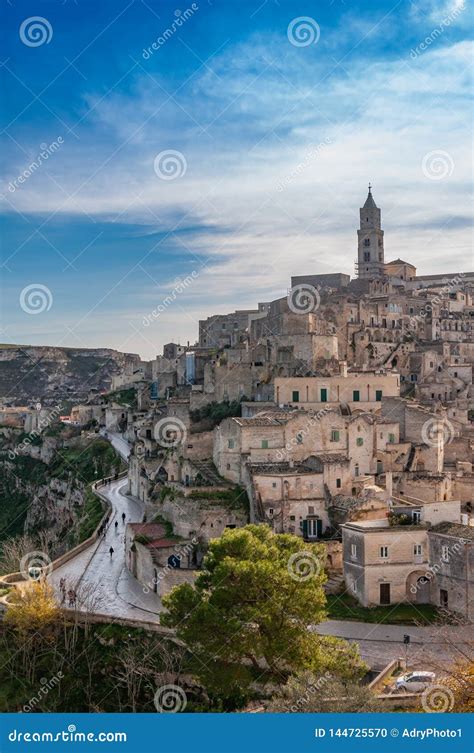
{"points": [[370, 258]]}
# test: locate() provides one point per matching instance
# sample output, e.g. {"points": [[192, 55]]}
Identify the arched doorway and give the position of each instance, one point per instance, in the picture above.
{"points": [[418, 587]]}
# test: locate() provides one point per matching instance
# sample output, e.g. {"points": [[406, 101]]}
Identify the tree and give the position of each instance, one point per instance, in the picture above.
{"points": [[306, 693], [253, 605], [34, 617]]}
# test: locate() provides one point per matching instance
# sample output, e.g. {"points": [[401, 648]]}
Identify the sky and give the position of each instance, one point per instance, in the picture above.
{"points": [[164, 163]]}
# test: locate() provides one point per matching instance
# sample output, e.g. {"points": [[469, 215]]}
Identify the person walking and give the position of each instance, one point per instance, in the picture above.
{"points": [[111, 551], [116, 526], [123, 517]]}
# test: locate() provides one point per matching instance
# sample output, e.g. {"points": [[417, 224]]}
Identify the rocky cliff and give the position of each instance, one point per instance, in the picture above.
{"points": [[50, 376], [45, 488]]}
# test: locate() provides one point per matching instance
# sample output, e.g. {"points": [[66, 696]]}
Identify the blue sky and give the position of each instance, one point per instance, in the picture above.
{"points": [[275, 126]]}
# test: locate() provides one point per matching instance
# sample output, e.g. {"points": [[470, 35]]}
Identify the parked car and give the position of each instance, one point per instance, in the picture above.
{"points": [[415, 682]]}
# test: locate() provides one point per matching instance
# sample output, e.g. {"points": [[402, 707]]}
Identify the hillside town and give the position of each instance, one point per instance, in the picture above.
{"points": [[341, 413]]}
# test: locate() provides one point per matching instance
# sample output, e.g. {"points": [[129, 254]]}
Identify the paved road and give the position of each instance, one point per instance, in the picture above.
{"points": [[103, 582], [116, 593], [431, 646], [119, 443]]}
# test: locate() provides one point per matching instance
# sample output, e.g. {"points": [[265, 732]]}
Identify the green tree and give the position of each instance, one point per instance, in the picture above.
{"points": [[306, 693], [253, 606]]}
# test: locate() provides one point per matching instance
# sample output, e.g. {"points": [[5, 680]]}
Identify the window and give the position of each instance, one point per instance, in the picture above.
{"points": [[353, 551], [384, 552], [378, 395], [274, 485], [299, 438], [445, 553], [230, 444], [324, 395], [366, 255], [338, 483], [356, 396], [264, 444], [295, 396], [366, 242], [356, 471], [292, 517], [416, 517], [443, 597], [359, 441], [417, 550], [270, 511], [391, 438], [335, 435], [413, 378], [314, 528]]}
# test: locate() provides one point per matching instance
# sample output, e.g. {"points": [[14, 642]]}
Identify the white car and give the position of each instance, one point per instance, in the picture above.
{"points": [[415, 682]]}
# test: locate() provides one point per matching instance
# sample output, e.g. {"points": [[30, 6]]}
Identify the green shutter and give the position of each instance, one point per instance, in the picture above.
{"points": [[356, 396], [324, 395], [378, 395], [305, 529]]}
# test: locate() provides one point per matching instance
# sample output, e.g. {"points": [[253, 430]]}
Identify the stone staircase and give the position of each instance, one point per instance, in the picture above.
{"points": [[209, 473], [334, 583]]}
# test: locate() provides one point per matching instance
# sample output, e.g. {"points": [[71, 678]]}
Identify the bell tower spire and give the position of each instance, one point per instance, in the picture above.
{"points": [[370, 257]]}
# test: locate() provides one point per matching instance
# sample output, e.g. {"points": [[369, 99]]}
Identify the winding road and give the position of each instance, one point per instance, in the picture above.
{"points": [[108, 588], [102, 582]]}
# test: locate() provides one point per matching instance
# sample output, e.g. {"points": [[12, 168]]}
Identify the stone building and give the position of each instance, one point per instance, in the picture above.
{"points": [[363, 390], [452, 567]]}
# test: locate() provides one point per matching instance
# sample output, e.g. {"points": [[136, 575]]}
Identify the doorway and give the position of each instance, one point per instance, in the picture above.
{"points": [[385, 593]]}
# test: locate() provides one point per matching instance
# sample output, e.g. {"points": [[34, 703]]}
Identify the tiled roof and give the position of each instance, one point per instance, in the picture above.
{"points": [[454, 529], [151, 530]]}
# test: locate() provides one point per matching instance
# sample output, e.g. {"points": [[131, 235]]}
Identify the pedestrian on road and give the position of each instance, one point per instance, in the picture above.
{"points": [[123, 517], [104, 532], [116, 526], [62, 588], [70, 596], [111, 551]]}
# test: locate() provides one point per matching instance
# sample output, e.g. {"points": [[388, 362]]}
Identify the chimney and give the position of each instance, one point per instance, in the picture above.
{"points": [[389, 483], [343, 368]]}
